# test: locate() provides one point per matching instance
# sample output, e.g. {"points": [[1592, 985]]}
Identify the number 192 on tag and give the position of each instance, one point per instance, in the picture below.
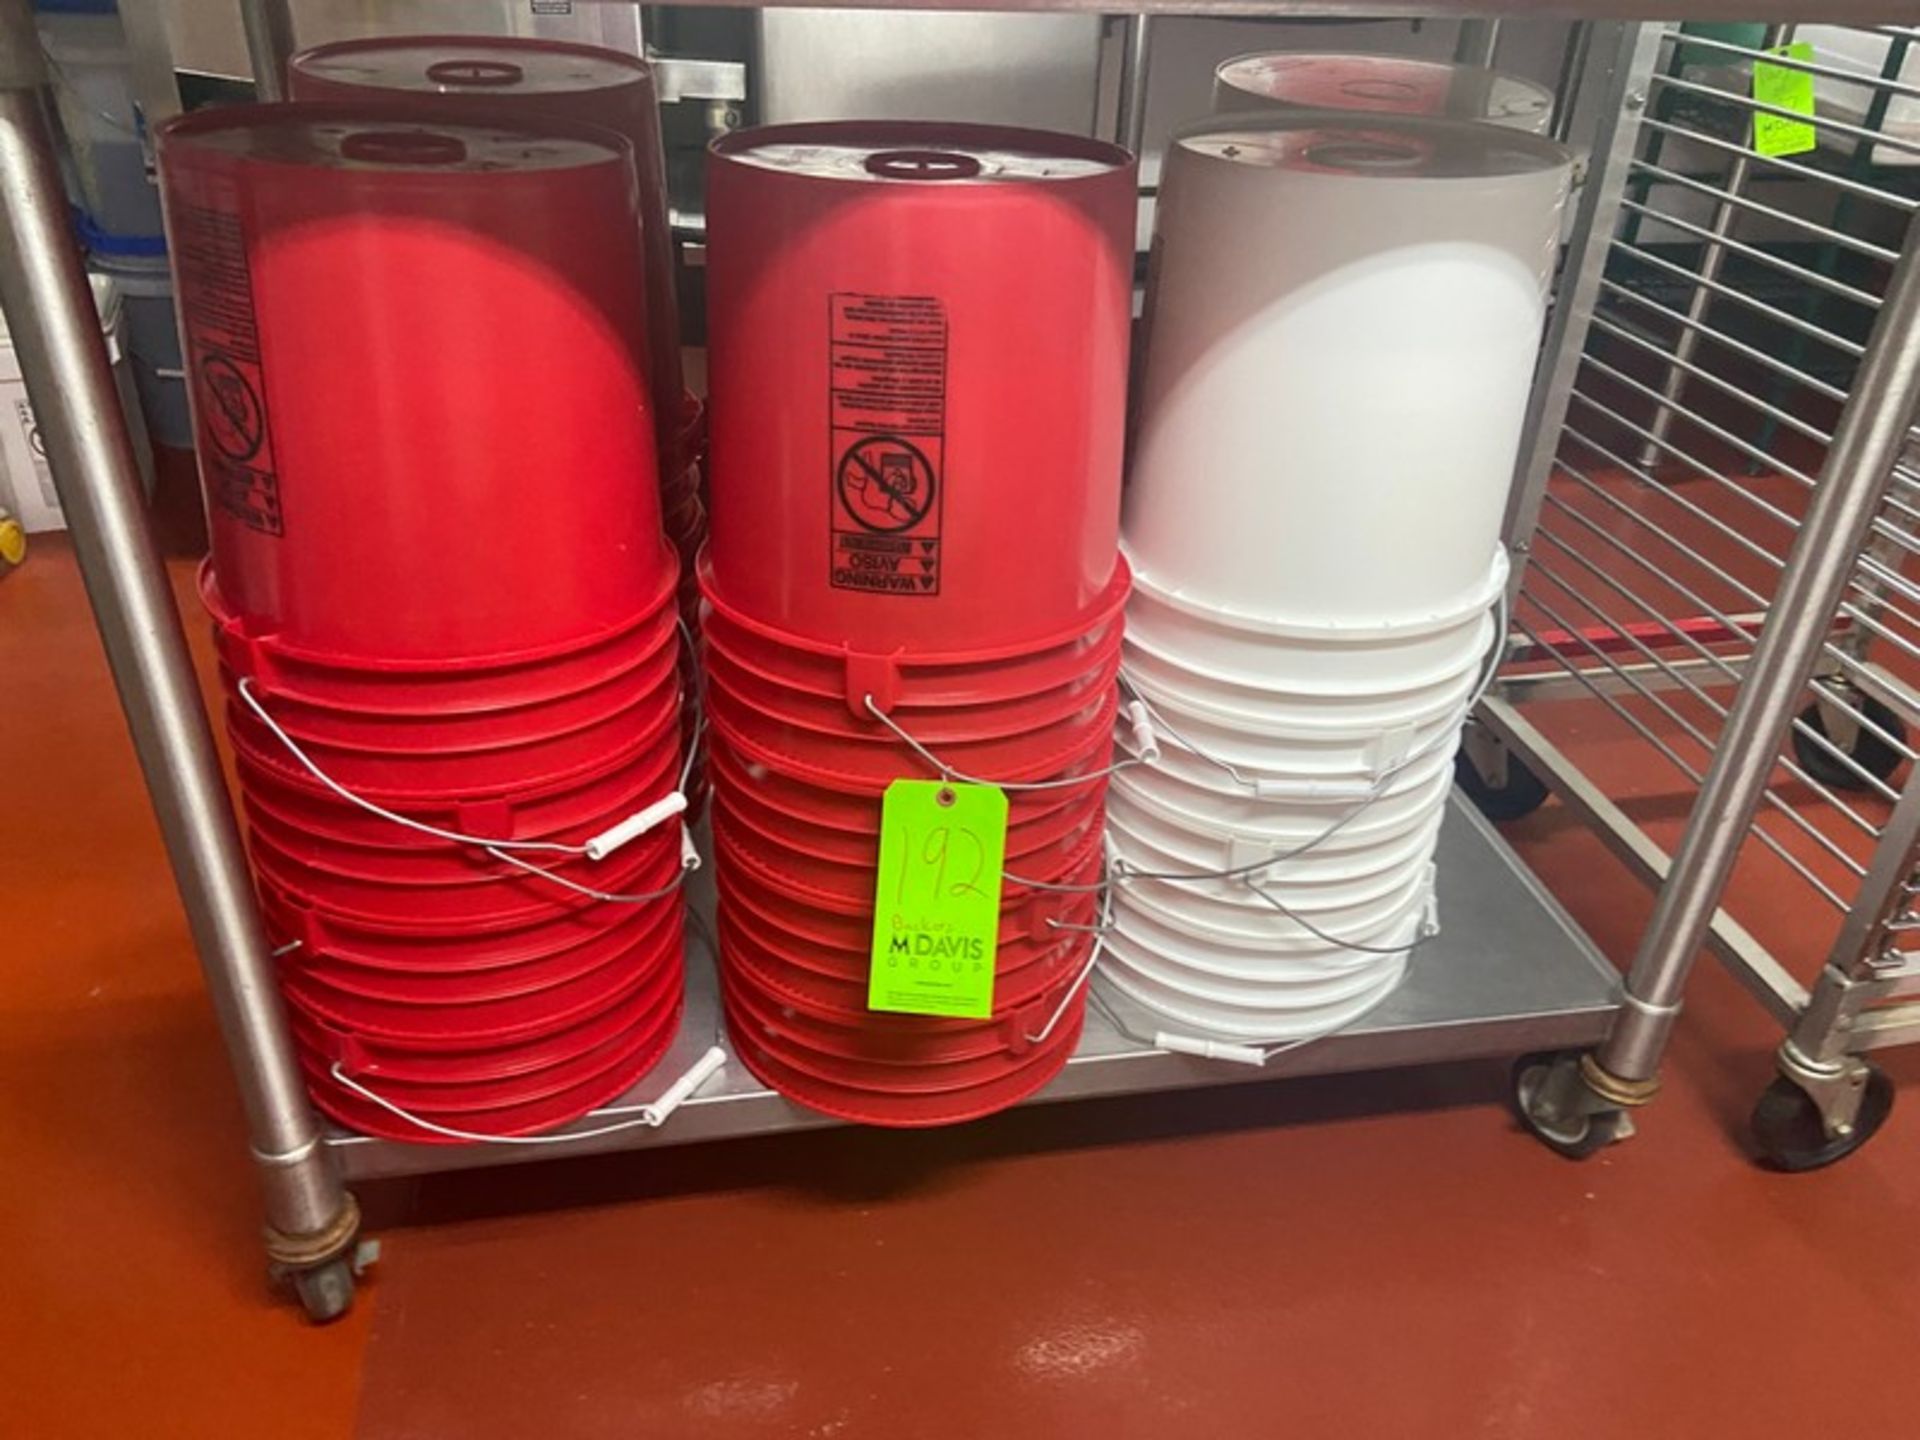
{"points": [[936, 904]]}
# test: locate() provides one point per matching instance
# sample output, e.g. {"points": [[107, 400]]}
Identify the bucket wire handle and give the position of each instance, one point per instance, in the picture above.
{"points": [[652, 1115], [1086, 970], [948, 772], [599, 847]]}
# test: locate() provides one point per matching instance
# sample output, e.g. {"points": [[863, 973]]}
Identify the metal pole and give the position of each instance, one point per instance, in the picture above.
{"points": [[50, 315], [269, 27], [1852, 484], [1136, 63], [1477, 44], [1725, 212], [1628, 53]]}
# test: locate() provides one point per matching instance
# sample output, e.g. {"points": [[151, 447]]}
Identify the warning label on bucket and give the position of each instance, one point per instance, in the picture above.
{"points": [[887, 413], [223, 352]]}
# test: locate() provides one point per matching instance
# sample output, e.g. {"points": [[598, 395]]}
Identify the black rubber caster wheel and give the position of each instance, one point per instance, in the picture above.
{"points": [[1523, 793], [1576, 1138], [1788, 1129], [326, 1291], [1871, 753]]}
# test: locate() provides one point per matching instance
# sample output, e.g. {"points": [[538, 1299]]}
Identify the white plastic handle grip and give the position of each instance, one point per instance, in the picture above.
{"points": [[677, 1093], [1208, 1049], [1267, 789], [635, 825], [1146, 745]]}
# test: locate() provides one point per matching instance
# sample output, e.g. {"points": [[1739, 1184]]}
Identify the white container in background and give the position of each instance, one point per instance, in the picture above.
{"points": [[138, 267], [1341, 330], [1380, 84], [26, 485]]}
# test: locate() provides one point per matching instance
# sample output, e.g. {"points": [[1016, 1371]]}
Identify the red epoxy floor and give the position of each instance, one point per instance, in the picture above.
{"points": [[1382, 1256]]}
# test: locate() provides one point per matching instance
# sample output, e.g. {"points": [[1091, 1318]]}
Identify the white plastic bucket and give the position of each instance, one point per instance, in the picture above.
{"points": [[1305, 748], [1239, 1023], [26, 484], [1340, 338], [1211, 800], [1330, 656], [1266, 931], [1176, 674], [1309, 885], [1310, 956], [1284, 987], [1258, 707], [1354, 831], [1379, 84]]}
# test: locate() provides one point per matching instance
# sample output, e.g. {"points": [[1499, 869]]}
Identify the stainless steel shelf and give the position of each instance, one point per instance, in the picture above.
{"points": [[1509, 972]]}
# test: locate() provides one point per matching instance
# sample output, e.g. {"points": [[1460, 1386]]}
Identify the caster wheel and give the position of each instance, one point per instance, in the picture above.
{"points": [[1575, 1138], [325, 1292], [1788, 1129], [1523, 793], [1871, 753]]}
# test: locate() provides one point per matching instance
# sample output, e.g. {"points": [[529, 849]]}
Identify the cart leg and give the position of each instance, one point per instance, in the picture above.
{"points": [[312, 1222], [1623, 1073]]}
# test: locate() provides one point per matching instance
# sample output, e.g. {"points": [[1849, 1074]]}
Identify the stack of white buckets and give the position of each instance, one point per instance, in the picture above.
{"points": [[1342, 326]]}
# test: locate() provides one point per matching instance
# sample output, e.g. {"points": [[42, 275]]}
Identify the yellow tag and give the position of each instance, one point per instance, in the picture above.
{"points": [[1786, 89], [936, 904], [13, 540]]}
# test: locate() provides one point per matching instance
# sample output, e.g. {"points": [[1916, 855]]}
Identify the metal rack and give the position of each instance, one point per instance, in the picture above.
{"points": [[1672, 518], [1510, 972]]}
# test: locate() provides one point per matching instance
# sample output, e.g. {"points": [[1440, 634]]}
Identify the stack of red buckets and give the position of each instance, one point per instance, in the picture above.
{"points": [[527, 81], [922, 581], [443, 602]]}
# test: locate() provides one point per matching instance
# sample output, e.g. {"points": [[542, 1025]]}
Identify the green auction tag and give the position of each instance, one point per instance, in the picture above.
{"points": [[936, 904], [1785, 89]]}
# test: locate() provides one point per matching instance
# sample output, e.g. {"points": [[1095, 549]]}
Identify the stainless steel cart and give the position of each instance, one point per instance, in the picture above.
{"points": [[1510, 973], [1692, 507]]}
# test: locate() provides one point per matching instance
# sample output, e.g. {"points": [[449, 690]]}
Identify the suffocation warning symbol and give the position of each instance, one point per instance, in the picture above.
{"points": [[887, 419], [886, 485], [235, 420]]}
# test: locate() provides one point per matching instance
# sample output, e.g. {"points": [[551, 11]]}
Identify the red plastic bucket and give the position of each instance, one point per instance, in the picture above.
{"points": [[571, 816], [813, 875], [910, 280], [448, 687], [784, 815], [485, 1024], [1065, 751], [457, 866], [1024, 936], [415, 949], [866, 1107], [481, 905], [856, 811], [899, 677], [833, 1053], [960, 724], [361, 1055], [438, 732], [455, 775], [528, 81], [363, 296], [525, 1118], [438, 1099], [830, 984], [443, 987], [825, 887]]}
